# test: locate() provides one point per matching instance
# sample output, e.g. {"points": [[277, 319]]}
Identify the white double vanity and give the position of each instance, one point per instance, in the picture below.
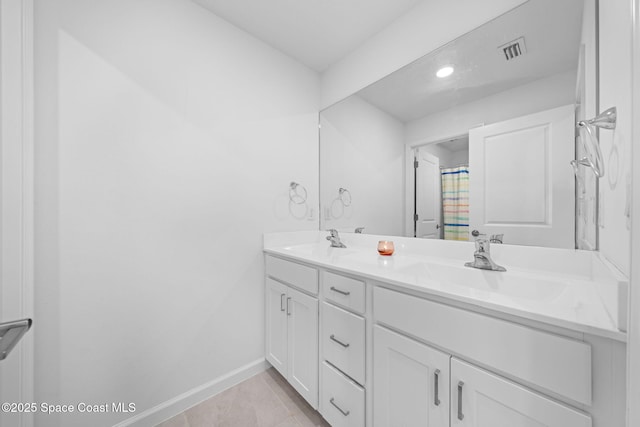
{"points": [[417, 339]]}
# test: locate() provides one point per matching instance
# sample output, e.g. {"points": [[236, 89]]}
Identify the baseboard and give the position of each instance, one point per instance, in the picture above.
{"points": [[181, 403]]}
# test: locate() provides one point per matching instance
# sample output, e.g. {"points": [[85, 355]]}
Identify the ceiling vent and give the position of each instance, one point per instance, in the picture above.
{"points": [[513, 49]]}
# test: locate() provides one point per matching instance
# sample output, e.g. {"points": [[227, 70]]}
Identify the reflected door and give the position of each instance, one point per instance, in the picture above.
{"points": [[521, 182], [428, 199], [16, 220]]}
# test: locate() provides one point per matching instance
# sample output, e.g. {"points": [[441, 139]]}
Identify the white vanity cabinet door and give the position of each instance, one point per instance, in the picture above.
{"points": [[343, 336], [344, 291], [276, 325], [482, 399], [410, 382], [303, 345], [342, 401]]}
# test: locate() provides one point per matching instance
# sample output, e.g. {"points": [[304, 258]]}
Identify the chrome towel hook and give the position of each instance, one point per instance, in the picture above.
{"points": [[593, 159], [605, 120]]}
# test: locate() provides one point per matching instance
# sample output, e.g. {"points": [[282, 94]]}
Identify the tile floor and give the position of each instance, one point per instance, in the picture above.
{"points": [[265, 400]]}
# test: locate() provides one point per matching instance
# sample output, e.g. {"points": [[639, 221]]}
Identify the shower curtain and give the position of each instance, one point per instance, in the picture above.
{"points": [[455, 202]]}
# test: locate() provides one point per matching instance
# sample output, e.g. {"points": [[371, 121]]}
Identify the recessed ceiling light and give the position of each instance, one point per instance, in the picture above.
{"points": [[444, 72]]}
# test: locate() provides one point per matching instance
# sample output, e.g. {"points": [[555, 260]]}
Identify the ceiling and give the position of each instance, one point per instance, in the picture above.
{"points": [[453, 145], [315, 32], [551, 31]]}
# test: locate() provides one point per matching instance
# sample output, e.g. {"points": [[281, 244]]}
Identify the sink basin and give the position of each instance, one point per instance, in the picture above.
{"points": [[476, 281], [445, 275], [318, 250]]}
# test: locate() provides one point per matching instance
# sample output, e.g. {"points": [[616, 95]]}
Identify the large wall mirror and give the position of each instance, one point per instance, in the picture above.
{"points": [[477, 135]]}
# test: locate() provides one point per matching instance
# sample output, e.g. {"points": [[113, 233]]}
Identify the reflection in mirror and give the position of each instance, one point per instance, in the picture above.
{"points": [[477, 135]]}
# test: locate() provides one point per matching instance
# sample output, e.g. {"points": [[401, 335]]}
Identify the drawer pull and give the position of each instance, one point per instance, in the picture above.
{"points": [[460, 414], [334, 339], [288, 310], [436, 399], [345, 413], [345, 293], [282, 302]]}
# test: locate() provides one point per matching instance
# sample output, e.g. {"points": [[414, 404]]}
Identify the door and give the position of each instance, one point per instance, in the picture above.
{"points": [[428, 202], [16, 203], [303, 345], [521, 182], [276, 325], [482, 399], [411, 382]]}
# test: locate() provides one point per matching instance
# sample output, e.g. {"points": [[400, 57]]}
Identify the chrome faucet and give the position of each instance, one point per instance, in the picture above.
{"points": [[359, 230], [482, 256], [334, 238]]}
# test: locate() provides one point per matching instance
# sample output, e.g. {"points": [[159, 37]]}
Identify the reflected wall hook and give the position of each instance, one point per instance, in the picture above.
{"points": [[297, 193], [593, 159], [344, 196]]}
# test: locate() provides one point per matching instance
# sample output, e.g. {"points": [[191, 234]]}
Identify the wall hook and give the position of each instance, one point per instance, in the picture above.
{"points": [[593, 159]]}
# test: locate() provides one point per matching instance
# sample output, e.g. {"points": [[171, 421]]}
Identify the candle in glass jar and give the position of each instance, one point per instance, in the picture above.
{"points": [[385, 247]]}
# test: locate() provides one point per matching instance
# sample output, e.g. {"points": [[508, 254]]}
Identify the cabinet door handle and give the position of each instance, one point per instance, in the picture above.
{"points": [[282, 302], [345, 413], [340, 291], [333, 338], [288, 310], [460, 414], [436, 375]]}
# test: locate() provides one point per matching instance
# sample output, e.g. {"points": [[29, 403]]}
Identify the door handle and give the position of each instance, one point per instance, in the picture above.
{"points": [[436, 399], [345, 413], [460, 414], [282, 302], [10, 334], [345, 293], [334, 339], [288, 310]]}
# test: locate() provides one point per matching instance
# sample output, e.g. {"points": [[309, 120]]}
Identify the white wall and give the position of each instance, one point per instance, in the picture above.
{"points": [[615, 90], [586, 108], [166, 141], [424, 28], [362, 150], [540, 95], [633, 354]]}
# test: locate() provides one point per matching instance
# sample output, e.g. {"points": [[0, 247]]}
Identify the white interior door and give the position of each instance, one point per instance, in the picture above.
{"points": [[521, 183], [428, 195], [16, 201]]}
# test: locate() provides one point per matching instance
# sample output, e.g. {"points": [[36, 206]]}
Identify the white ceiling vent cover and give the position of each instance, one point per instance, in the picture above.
{"points": [[513, 49]]}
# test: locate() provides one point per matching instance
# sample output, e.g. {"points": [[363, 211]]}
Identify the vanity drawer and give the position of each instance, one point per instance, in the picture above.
{"points": [[552, 362], [341, 400], [344, 291], [343, 337], [292, 273]]}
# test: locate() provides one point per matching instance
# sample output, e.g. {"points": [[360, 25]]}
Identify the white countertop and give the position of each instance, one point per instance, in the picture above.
{"points": [[572, 289]]}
